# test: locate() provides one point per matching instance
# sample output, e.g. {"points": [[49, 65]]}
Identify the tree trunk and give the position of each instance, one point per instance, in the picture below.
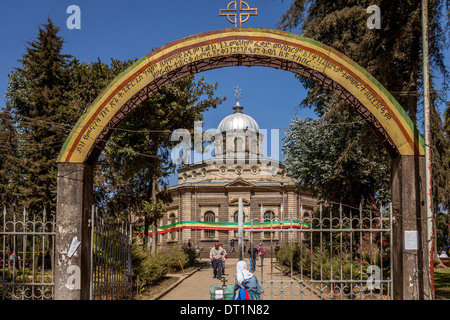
{"points": [[154, 224], [146, 225]]}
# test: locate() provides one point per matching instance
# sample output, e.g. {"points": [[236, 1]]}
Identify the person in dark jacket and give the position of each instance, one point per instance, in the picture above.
{"points": [[252, 253]]}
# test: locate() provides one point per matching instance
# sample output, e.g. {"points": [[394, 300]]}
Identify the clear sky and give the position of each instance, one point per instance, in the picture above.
{"points": [[131, 29], [123, 29]]}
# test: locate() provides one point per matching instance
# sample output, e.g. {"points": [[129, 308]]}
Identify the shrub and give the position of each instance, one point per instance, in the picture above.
{"points": [[318, 263], [152, 268]]}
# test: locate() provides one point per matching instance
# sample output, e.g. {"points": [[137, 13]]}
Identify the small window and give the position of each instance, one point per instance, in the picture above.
{"points": [[172, 220], [268, 217], [238, 145], [210, 217]]}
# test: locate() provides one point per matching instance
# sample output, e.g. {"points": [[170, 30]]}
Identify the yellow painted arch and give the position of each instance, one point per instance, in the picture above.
{"points": [[265, 44]]}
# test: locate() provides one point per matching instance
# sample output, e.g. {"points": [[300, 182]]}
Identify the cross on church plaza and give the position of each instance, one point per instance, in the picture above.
{"points": [[244, 12]]}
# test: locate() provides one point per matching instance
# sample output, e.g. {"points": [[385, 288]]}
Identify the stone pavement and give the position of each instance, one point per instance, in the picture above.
{"points": [[197, 285]]}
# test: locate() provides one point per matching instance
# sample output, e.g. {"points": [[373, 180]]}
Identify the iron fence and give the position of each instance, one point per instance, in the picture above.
{"points": [[27, 257], [111, 259], [338, 252]]}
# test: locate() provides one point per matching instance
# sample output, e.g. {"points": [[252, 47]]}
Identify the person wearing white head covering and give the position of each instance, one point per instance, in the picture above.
{"points": [[242, 273], [245, 278]]}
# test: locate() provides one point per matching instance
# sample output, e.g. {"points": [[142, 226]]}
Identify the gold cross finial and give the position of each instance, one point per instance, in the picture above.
{"points": [[244, 12]]}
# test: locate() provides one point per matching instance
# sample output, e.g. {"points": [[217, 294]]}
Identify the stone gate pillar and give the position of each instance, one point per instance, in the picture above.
{"points": [[73, 215], [411, 273]]}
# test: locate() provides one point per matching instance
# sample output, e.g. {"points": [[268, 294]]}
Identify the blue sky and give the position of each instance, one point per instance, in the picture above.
{"points": [[123, 29], [131, 29]]}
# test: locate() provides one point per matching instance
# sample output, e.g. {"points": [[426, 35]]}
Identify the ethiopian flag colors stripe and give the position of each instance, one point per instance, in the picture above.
{"points": [[226, 226]]}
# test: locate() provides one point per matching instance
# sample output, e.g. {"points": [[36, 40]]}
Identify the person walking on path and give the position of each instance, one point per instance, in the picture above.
{"points": [[261, 253], [232, 245], [216, 255], [252, 252], [246, 279]]}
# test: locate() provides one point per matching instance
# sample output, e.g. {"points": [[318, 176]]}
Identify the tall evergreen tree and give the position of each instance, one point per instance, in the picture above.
{"points": [[392, 54], [9, 169], [38, 94]]}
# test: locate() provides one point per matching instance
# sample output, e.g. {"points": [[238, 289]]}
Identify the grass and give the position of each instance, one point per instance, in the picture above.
{"points": [[442, 284]]}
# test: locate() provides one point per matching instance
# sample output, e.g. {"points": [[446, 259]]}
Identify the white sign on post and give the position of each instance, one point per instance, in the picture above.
{"points": [[411, 240]]}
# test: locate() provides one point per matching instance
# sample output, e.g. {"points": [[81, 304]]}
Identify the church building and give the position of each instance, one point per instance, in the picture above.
{"points": [[205, 202]]}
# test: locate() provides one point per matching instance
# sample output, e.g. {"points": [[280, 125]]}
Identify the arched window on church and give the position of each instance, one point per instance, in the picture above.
{"points": [[269, 216], [254, 147], [238, 145], [172, 220], [210, 217]]}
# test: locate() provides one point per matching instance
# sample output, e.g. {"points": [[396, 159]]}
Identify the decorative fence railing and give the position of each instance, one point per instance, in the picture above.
{"points": [[111, 259], [27, 257], [345, 253]]}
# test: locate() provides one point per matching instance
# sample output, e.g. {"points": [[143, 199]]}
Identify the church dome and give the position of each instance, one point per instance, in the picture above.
{"points": [[238, 121]]}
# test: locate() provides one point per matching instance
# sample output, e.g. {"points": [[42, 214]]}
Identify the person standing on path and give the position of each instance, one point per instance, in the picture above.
{"points": [[252, 252], [232, 245], [216, 255], [261, 253], [277, 248]]}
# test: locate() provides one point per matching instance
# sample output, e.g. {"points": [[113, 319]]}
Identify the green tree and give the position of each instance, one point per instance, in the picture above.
{"points": [[136, 162], [153, 210], [38, 96], [9, 170], [89, 79], [332, 160], [392, 55]]}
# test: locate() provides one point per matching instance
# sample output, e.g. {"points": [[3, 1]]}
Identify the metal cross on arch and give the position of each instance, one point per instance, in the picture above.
{"points": [[244, 12]]}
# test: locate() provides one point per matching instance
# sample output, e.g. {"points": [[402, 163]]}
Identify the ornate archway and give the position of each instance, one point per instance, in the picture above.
{"points": [[240, 47]]}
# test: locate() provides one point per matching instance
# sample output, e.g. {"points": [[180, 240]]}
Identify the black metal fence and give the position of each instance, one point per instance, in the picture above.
{"points": [[111, 259], [26, 257]]}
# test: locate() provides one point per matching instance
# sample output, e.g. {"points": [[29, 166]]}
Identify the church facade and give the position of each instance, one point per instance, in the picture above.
{"points": [[204, 207]]}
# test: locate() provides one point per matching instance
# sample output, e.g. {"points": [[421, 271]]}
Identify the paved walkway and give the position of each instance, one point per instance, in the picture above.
{"points": [[197, 286]]}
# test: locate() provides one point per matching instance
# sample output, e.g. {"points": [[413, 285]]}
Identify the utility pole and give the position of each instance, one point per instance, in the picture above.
{"points": [[427, 126]]}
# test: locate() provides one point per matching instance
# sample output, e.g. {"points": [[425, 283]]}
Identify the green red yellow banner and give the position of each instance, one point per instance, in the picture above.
{"points": [[227, 226]]}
